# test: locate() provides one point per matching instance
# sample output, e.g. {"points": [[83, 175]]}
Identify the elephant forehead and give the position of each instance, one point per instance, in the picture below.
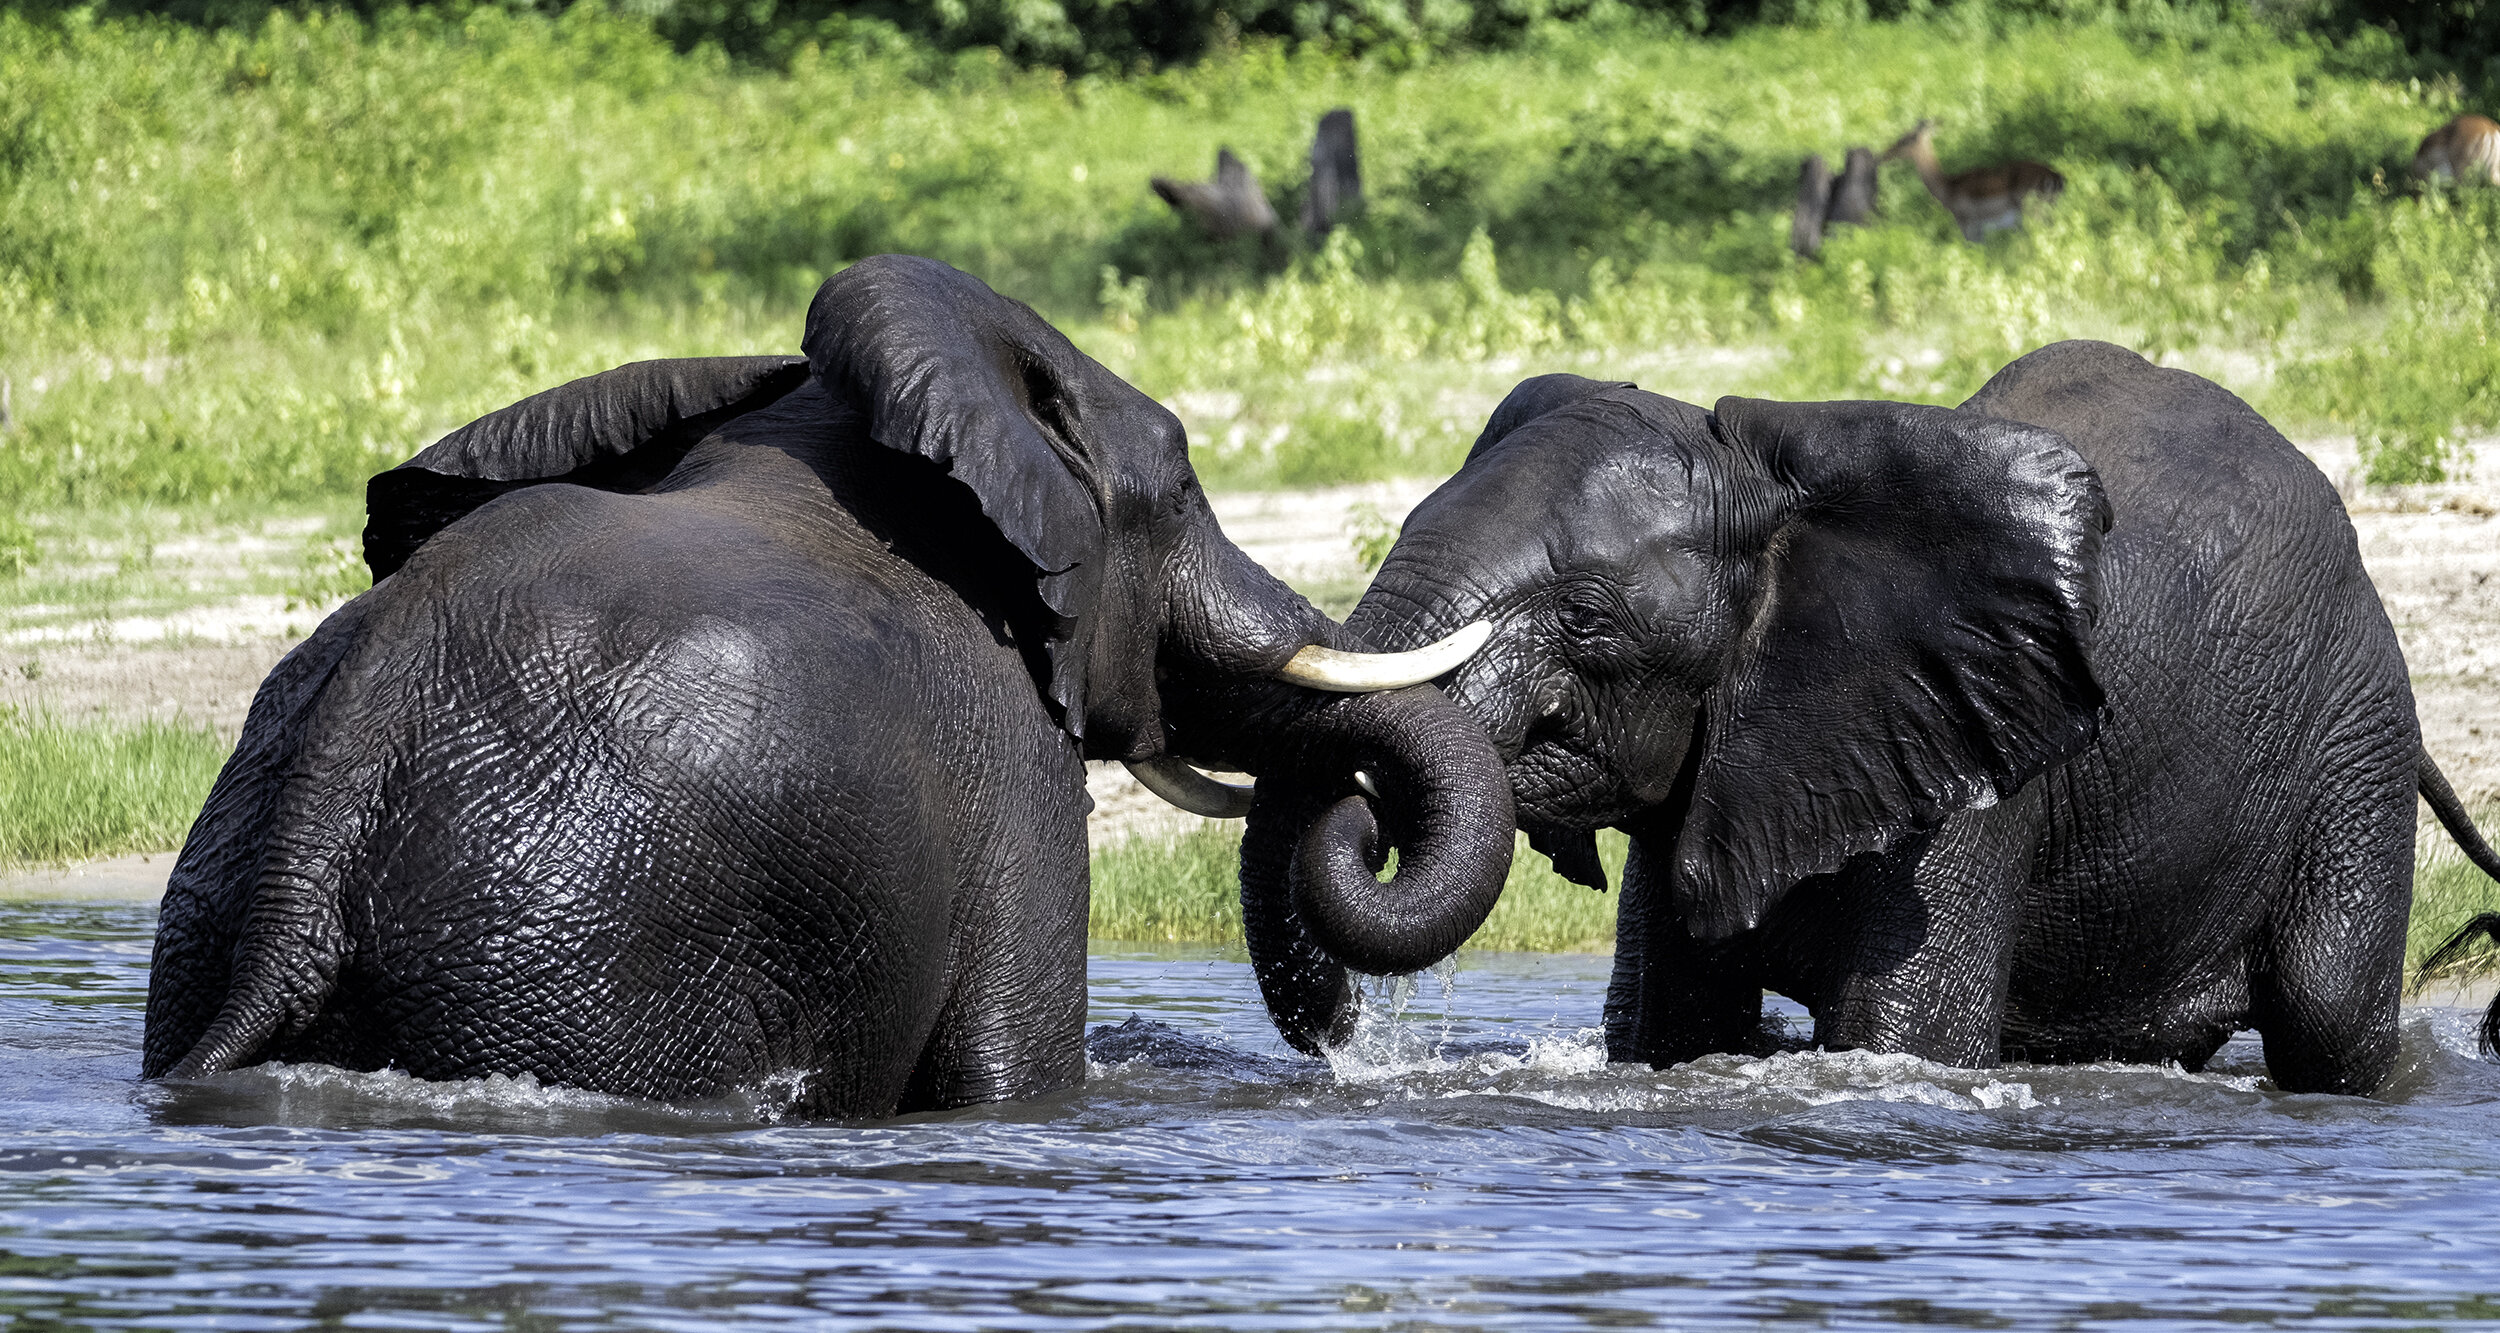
{"points": [[1538, 512]]}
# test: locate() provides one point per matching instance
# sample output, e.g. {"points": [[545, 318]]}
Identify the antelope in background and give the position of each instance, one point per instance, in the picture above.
{"points": [[1233, 205], [1982, 201], [2463, 151]]}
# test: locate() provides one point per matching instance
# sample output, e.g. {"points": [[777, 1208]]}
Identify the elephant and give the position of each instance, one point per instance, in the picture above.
{"points": [[716, 725], [2061, 726]]}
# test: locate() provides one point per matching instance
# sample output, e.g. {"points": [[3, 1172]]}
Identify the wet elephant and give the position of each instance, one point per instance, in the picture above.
{"points": [[719, 722], [2062, 726]]}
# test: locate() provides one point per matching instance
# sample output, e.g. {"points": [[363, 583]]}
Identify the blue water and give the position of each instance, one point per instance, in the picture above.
{"points": [[1475, 1164]]}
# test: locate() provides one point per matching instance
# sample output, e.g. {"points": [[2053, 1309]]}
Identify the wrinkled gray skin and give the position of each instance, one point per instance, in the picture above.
{"points": [[714, 721], [1839, 670]]}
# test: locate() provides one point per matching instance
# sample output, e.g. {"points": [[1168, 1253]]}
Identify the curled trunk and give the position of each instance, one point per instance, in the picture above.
{"points": [[1312, 905], [1309, 994]]}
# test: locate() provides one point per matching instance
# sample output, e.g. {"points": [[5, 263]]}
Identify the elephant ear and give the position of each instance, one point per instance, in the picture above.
{"points": [[1533, 398], [1927, 585], [943, 367], [619, 430]]}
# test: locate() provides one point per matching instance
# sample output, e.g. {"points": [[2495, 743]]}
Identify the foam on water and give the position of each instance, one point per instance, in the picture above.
{"points": [[307, 1094]]}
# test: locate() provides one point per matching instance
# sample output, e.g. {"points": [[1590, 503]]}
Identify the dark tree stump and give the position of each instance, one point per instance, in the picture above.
{"points": [[1230, 205], [1853, 195], [1814, 194], [1336, 175]]}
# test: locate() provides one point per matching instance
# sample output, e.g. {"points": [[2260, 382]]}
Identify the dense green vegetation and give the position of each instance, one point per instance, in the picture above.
{"points": [[257, 262], [2457, 38]]}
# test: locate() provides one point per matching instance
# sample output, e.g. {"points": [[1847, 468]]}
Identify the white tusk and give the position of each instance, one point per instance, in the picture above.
{"points": [[1364, 781], [1361, 673], [1175, 781]]}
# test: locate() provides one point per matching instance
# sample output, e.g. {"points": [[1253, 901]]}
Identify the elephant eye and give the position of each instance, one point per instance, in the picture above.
{"points": [[1585, 613]]}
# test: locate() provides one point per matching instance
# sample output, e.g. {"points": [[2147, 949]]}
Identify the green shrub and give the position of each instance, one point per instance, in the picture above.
{"points": [[260, 261], [2415, 387]]}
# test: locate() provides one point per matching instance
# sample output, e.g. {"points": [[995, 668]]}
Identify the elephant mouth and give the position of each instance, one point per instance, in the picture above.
{"points": [[1562, 787], [1578, 769]]}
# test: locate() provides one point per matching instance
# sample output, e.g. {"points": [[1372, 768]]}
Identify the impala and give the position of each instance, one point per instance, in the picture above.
{"points": [[1988, 199], [2464, 150]]}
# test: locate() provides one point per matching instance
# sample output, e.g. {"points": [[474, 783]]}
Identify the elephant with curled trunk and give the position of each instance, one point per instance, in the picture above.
{"points": [[2062, 726], [715, 722]]}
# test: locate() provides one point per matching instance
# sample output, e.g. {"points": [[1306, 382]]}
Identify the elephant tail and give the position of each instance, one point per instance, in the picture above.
{"points": [[2451, 811], [293, 944], [2484, 926], [2452, 816]]}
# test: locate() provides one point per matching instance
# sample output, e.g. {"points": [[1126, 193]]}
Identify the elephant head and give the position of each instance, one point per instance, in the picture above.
{"points": [[1152, 638], [1768, 638]]}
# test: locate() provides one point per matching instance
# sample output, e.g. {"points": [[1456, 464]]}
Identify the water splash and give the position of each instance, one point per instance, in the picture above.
{"points": [[323, 1095]]}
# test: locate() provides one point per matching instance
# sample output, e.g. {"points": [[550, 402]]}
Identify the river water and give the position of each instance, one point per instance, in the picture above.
{"points": [[1475, 1165]]}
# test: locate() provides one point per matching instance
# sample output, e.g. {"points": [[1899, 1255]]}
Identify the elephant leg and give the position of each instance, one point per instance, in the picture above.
{"points": [[1921, 947], [1672, 998], [1013, 1025], [209, 895], [2329, 967]]}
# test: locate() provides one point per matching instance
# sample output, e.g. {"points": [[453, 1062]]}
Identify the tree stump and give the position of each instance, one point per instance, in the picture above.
{"points": [[1814, 194], [1853, 195], [1336, 175]]}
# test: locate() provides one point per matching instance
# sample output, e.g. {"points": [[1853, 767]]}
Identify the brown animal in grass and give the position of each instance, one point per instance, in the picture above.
{"points": [[1988, 199], [2463, 151]]}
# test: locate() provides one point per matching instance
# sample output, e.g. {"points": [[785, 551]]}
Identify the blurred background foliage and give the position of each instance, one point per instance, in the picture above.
{"points": [[2452, 36], [253, 253]]}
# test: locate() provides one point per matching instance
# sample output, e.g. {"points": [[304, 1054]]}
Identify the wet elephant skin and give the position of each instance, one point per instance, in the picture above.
{"points": [[716, 725], [2061, 726]]}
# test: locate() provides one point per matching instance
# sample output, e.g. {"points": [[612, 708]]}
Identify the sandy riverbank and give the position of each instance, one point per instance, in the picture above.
{"points": [[2434, 552]]}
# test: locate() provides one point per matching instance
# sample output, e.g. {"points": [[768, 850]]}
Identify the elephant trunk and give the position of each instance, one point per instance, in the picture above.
{"points": [[1309, 994], [1233, 695], [1312, 905], [1455, 835]]}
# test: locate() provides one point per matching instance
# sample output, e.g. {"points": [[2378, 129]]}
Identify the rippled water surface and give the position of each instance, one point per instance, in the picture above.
{"points": [[1477, 1166]]}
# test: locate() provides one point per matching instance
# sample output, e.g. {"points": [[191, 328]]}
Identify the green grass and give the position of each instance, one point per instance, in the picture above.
{"points": [[1183, 888], [252, 265], [71, 791], [2449, 891], [1186, 888]]}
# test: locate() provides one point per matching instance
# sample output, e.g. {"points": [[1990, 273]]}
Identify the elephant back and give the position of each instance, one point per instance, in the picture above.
{"points": [[620, 430]]}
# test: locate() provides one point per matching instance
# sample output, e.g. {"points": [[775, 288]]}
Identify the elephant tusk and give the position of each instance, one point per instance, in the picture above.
{"points": [[1175, 781], [1361, 673], [1364, 781]]}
